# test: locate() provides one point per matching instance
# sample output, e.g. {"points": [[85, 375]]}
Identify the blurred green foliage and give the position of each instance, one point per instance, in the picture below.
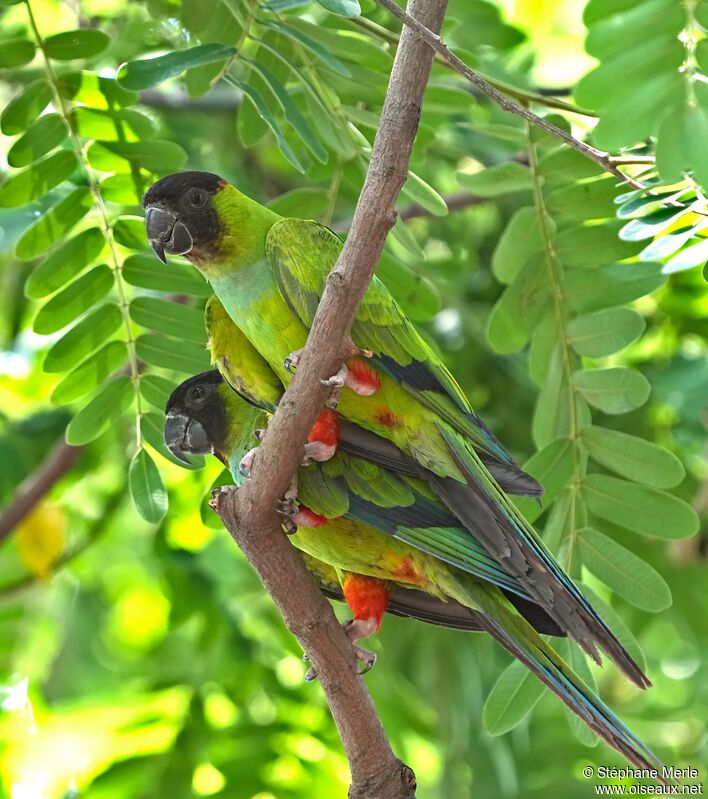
{"points": [[147, 661]]}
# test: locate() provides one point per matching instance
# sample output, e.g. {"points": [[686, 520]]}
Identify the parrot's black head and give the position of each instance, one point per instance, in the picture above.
{"points": [[196, 420], [180, 217]]}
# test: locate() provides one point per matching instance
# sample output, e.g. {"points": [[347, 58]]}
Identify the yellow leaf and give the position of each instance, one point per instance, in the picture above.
{"points": [[40, 538]]}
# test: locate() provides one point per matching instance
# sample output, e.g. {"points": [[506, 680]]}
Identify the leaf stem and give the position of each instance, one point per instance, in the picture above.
{"points": [[100, 206], [554, 274]]}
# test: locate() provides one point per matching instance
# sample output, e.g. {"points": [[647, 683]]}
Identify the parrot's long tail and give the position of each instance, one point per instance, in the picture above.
{"points": [[496, 523], [501, 620]]}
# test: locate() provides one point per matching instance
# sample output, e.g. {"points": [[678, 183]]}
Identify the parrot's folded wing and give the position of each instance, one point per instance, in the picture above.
{"points": [[301, 254]]}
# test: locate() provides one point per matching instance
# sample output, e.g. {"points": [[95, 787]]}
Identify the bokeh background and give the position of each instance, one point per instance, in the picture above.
{"points": [[142, 660]]}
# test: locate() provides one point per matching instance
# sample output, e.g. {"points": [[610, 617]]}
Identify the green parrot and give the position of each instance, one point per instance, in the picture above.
{"points": [[269, 273], [372, 568]]}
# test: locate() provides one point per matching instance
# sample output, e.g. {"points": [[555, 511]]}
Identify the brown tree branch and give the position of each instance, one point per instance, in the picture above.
{"points": [[36, 485], [603, 159], [249, 512]]}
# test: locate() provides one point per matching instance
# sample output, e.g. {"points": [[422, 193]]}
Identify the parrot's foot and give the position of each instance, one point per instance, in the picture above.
{"points": [[318, 451], [355, 375], [355, 629], [218, 493], [288, 507], [246, 463]]}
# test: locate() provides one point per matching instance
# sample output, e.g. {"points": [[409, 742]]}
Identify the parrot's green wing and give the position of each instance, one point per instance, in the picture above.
{"points": [[301, 254]]}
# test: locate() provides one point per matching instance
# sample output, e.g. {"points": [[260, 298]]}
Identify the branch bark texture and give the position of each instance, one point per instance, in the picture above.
{"points": [[249, 512]]}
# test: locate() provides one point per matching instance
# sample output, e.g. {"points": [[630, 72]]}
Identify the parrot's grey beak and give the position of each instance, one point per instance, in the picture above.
{"points": [[185, 434], [166, 233]]}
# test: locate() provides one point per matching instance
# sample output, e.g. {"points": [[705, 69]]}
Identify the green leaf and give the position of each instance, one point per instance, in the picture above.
{"points": [[621, 570], [346, 8], [614, 390], [111, 401], [589, 245], [175, 319], [55, 224], [669, 243], [518, 311], [418, 191], [497, 180], [292, 113], [416, 294], [309, 43], [82, 43], [16, 53], [145, 271], [265, 114], [125, 124], [130, 232], [552, 466], [74, 300], [633, 457], [146, 488], [156, 390], [91, 373], [170, 353], [520, 241], [306, 203], [42, 136], [37, 179], [639, 508], [512, 698], [64, 263], [577, 660], [692, 256], [615, 284], [582, 201], [153, 155], [145, 73], [651, 224], [615, 622], [605, 332], [85, 337], [25, 108]]}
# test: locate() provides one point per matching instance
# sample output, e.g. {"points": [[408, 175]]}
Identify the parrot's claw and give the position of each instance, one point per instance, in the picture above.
{"points": [[355, 629], [287, 506], [259, 434], [360, 352], [292, 361], [246, 463]]}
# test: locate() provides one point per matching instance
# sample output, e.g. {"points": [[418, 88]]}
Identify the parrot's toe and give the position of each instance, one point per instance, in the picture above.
{"points": [[364, 657], [217, 493], [355, 629], [318, 451], [246, 463], [292, 361]]}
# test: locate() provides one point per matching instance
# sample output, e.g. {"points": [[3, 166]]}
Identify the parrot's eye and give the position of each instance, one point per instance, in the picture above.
{"points": [[198, 393], [197, 198]]}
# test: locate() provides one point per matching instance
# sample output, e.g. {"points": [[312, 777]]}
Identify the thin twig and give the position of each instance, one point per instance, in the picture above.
{"points": [[249, 512], [36, 485], [457, 201], [603, 159], [96, 530]]}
